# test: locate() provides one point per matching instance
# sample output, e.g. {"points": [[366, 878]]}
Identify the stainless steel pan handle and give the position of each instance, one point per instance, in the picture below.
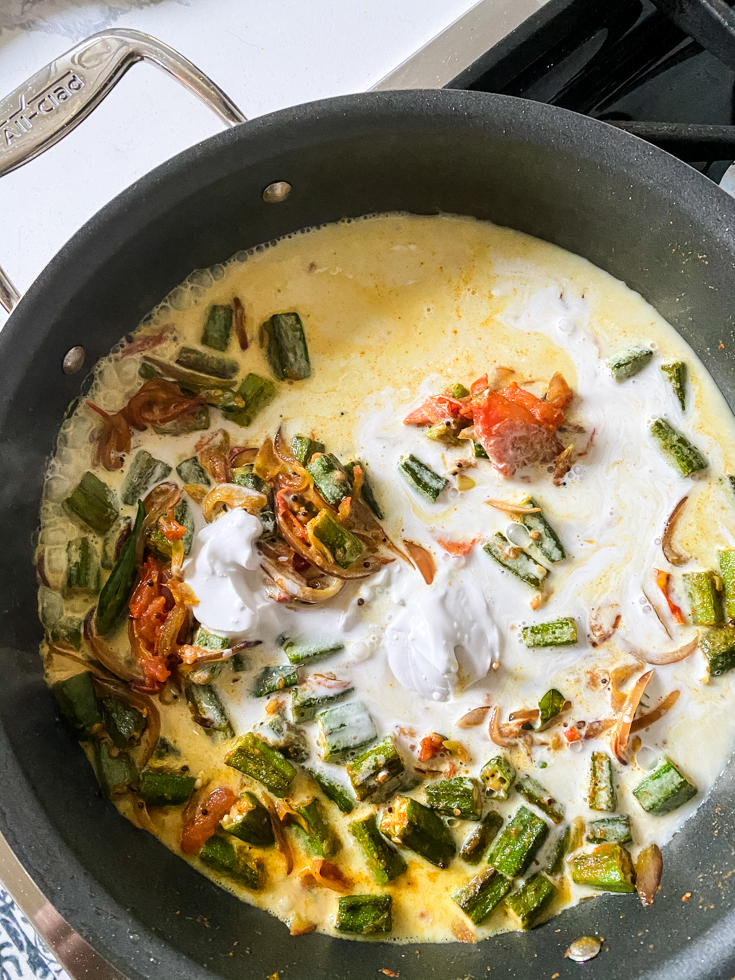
{"points": [[56, 99]]}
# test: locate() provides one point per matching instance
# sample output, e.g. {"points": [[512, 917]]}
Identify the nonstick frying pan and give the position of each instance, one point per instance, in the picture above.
{"points": [[626, 206]]}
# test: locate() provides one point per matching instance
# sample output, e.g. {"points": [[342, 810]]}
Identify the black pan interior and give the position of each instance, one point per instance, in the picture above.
{"points": [[626, 206]]}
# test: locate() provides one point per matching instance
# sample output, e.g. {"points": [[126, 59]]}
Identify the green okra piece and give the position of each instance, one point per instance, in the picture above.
{"points": [[310, 650], [610, 830], [533, 792], [364, 915], [109, 543], [231, 858], [245, 477], [607, 868], [161, 787], [562, 844], [458, 390], [517, 563], [185, 424], [210, 641], [303, 448], [207, 709], [184, 516], [627, 363], [305, 703], [257, 393], [320, 839], [93, 503], [273, 679], [206, 673], [343, 729], [478, 840], [531, 901], [676, 375], [115, 770], [333, 790], [147, 372], [550, 706], [144, 473], [664, 788], [421, 477], [718, 647], [202, 362], [255, 758], [79, 705], [250, 821], [283, 735], [191, 471], [217, 328], [704, 601], [117, 590], [415, 826], [384, 861], [366, 490], [459, 796], [124, 723], [330, 478], [344, 546], [558, 633], [285, 347], [726, 560], [547, 541], [67, 630], [375, 771], [518, 842], [82, 576], [482, 894], [479, 451], [498, 775], [445, 432], [677, 449], [601, 792]]}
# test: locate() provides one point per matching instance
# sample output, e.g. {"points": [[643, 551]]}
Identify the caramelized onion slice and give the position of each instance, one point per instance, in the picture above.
{"points": [[422, 559], [145, 705], [326, 874], [663, 657], [648, 870], [673, 556], [512, 508], [474, 717], [296, 587], [231, 495], [644, 721], [621, 732], [281, 840], [102, 652]]}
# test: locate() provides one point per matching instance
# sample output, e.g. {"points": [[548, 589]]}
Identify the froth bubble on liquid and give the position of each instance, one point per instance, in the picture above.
{"points": [[565, 324], [453, 493], [517, 534], [58, 488]]}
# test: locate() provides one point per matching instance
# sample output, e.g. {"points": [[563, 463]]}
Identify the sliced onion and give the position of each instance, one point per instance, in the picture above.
{"points": [[621, 732], [213, 454], [104, 654], [663, 657], [618, 676], [422, 559], [507, 735], [156, 503], [524, 715], [648, 870], [171, 628], [145, 705], [327, 875], [179, 373], [292, 583], [645, 721], [58, 651], [231, 495], [361, 569], [512, 508], [142, 818], [281, 840], [474, 717], [603, 622], [673, 556]]}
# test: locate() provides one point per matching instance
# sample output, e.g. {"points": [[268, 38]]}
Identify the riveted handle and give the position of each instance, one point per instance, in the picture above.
{"points": [[56, 99]]}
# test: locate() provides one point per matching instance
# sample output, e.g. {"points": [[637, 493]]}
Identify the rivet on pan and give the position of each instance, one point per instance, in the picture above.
{"points": [[73, 360], [583, 949], [276, 192]]}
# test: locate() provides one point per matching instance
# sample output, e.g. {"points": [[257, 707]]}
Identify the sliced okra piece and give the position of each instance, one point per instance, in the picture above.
{"points": [[161, 787], [607, 868], [445, 432], [375, 772], [515, 560], [117, 590], [601, 793], [191, 471], [115, 770], [250, 821], [518, 842], [320, 839], [124, 723], [273, 679], [677, 449], [217, 328], [231, 858], [421, 477], [204, 363], [558, 633], [543, 536], [364, 915], [207, 709], [343, 729], [330, 478], [82, 569], [245, 477], [183, 516], [610, 830], [334, 790], [726, 560], [366, 490], [257, 393], [415, 826], [306, 703], [110, 550], [531, 901], [627, 363], [676, 375], [310, 650], [144, 473], [704, 601], [344, 546], [479, 451], [562, 844], [206, 673], [283, 735], [459, 796], [384, 861], [255, 758], [482, 894], [498, 776], [664, 788], [78, 704], [210, 641], [67, 630], [478, 840], [718, 647], [533, 792], [286, 348], [93, 503], [185, 424], [303, 448]]}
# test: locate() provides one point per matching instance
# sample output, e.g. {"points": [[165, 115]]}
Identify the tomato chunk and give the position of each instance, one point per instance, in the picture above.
{"points": [[206, 819], [436, 408], [542, 411]]}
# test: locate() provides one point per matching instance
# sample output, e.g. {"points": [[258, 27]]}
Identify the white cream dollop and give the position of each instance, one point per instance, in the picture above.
{"points": [[224, 573]]}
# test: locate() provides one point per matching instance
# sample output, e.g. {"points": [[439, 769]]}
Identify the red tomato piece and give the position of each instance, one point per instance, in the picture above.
{"points": [[436, 408], [480, 385], [206, 819], [571, 734], [543, 412]]}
